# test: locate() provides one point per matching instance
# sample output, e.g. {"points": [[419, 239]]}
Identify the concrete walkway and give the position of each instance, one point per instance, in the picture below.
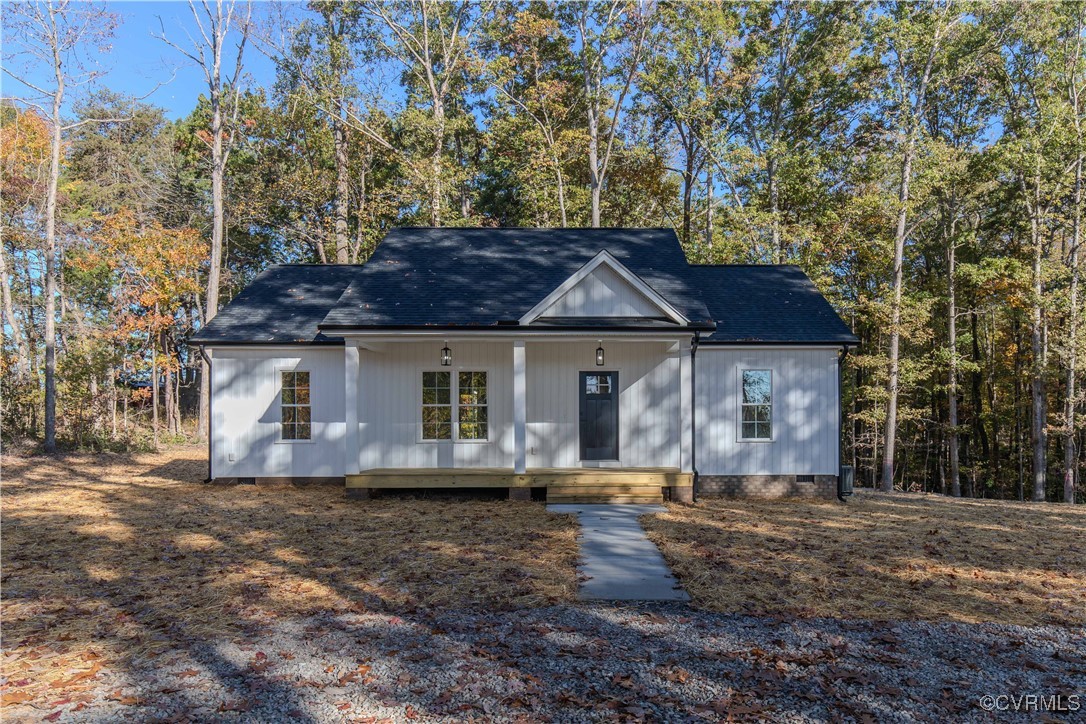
{"points": [[618, 560]]}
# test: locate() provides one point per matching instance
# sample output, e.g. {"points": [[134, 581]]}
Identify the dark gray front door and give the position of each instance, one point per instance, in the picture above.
{"points": [[599, 416]]}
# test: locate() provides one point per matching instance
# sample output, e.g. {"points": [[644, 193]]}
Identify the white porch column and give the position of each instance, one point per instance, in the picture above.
{"points": [[520, 408], [351, 367], [686, 418]]}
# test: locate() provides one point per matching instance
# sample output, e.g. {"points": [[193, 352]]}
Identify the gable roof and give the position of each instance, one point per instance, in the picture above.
{"points": [[617, 287], [472, 277], [761, 304], [491, 278], [283, 305]]}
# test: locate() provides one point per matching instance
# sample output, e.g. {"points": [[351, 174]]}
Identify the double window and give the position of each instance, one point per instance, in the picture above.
{"points": [[464, 420], [295, 407], [756, 419]]}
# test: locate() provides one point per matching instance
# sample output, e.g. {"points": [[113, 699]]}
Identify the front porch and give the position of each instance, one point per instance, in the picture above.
{"points": [[562, 485]]}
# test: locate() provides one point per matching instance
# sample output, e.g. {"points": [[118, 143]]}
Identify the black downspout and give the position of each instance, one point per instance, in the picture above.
{"points": [[841, 418], [694, 410], [210, 396]]}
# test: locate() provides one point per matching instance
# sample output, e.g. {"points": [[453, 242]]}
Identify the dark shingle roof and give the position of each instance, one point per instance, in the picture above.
{"points": [[481, 277], [283, 305], [491, 277], [771, 303]]}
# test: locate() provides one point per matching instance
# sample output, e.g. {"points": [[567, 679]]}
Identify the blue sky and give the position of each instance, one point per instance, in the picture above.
{"points": [[138, 61]]}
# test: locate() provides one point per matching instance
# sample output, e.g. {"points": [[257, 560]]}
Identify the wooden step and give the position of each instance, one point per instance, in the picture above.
{"points": [[589, 499], [618, 488]]}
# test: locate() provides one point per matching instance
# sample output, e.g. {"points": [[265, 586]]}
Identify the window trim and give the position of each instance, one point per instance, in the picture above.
{"points": [[454, 403], [739, 437], [279, 400]]}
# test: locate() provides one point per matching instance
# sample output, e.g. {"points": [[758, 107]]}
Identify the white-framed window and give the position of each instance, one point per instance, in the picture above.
{"points": [[756, 410], [471, 414], [295, 406], [437, 405], [465, 419]]}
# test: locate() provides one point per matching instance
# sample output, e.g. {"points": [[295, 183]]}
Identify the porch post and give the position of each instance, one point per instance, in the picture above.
{"points": [[520, 408], [686, 408], [351, 368]]}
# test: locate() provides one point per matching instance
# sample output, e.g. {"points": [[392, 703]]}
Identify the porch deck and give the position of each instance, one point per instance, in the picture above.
{"points": [[564, 485]]}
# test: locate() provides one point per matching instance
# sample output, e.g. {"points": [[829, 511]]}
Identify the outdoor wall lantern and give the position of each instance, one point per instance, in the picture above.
{"points": [[599, 355], [446, 355]]}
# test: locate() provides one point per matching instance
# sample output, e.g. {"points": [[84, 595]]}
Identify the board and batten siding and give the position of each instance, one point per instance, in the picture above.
{"points": [[805, 412], [246, 417], [603, 293], [649, 401], [390, 406]]}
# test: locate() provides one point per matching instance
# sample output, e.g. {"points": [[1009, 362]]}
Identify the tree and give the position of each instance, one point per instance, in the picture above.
{"points": [[611, 38], [914, 38], [53, 36], [215, 27]]}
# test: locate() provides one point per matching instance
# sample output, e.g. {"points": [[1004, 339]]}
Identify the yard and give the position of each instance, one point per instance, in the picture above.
{"points": [[882, 557], [109, 557], [133, 590]]}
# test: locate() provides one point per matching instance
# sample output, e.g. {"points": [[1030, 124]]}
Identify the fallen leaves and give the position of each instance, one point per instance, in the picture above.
{"points": [[878, 557]]}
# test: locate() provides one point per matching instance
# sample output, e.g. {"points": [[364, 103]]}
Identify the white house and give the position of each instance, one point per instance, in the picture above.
{"points": [[589, 363]]}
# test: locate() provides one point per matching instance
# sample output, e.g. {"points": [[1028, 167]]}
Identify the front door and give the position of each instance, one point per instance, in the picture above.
{"points": [[599, 416]]}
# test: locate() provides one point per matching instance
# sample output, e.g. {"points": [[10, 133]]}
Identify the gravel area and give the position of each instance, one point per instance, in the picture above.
{"points": [[660, 662]]}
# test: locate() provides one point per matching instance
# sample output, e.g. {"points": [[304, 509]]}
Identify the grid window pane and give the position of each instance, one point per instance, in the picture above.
{"points": [[436, 406], [295, 409], [757, 407], [472, 411]]}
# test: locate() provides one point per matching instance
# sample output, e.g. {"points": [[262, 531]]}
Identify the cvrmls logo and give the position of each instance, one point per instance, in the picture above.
{"points": [[1031, 702]]}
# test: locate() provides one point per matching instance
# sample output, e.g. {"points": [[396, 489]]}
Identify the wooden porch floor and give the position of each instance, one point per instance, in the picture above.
{"points": [[565, 485]]}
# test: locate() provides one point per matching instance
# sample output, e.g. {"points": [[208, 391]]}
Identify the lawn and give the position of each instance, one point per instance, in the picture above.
{"points": [[107, 557], [882, 557]]}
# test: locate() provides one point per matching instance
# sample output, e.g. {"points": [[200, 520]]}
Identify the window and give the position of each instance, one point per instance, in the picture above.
{"points": [[471, 417], [294, 403], [597, 384], [470, 422], [436, 406], [757, 414]]}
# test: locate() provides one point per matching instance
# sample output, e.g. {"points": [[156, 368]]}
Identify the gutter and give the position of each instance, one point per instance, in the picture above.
{"points": [[210, 397], [694, 411], [841, 420]]}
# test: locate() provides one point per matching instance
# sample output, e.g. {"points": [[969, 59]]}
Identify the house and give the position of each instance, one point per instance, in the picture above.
{"points": [[587, 362]]}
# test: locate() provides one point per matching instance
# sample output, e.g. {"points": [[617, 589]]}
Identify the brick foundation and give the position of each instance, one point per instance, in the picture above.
{"points": [[273, 481], [767, 486], [520, 493]]}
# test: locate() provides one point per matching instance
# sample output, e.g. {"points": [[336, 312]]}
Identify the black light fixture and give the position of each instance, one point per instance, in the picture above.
{"points": [[599, 355], [446, 355]]}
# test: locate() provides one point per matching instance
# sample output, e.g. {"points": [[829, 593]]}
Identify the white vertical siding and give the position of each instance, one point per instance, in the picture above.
{"points": [[246, 414], [649, 399], [603, 293], [390, 399], [805, 412]]}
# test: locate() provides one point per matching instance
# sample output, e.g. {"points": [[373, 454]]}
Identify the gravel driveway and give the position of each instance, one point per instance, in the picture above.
{"points": [[589, 663]]}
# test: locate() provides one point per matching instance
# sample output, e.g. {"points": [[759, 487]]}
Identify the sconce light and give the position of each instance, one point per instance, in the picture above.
{"points": [[446, 355], [599, 355]]}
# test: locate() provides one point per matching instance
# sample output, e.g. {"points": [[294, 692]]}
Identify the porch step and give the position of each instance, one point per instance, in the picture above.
{"points": [[609, 492], [603, 499]]}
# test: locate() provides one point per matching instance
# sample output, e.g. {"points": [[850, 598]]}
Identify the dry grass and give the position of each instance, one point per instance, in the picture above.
{"points": [[882, 557], [114, 556]]}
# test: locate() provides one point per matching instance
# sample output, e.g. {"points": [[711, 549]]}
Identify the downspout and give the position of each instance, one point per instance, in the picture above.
{"points": [[694, 410], [841, 419], [210, 417]]}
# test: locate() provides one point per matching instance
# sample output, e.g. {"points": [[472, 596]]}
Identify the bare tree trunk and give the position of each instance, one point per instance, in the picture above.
{"points": [[435, 162], [895, 320], [1069, 451], [774, 208], [709, 208], [952, 375], [154, 388], [1039, 408], [51, 259], [339, 135], [22, 348]]}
